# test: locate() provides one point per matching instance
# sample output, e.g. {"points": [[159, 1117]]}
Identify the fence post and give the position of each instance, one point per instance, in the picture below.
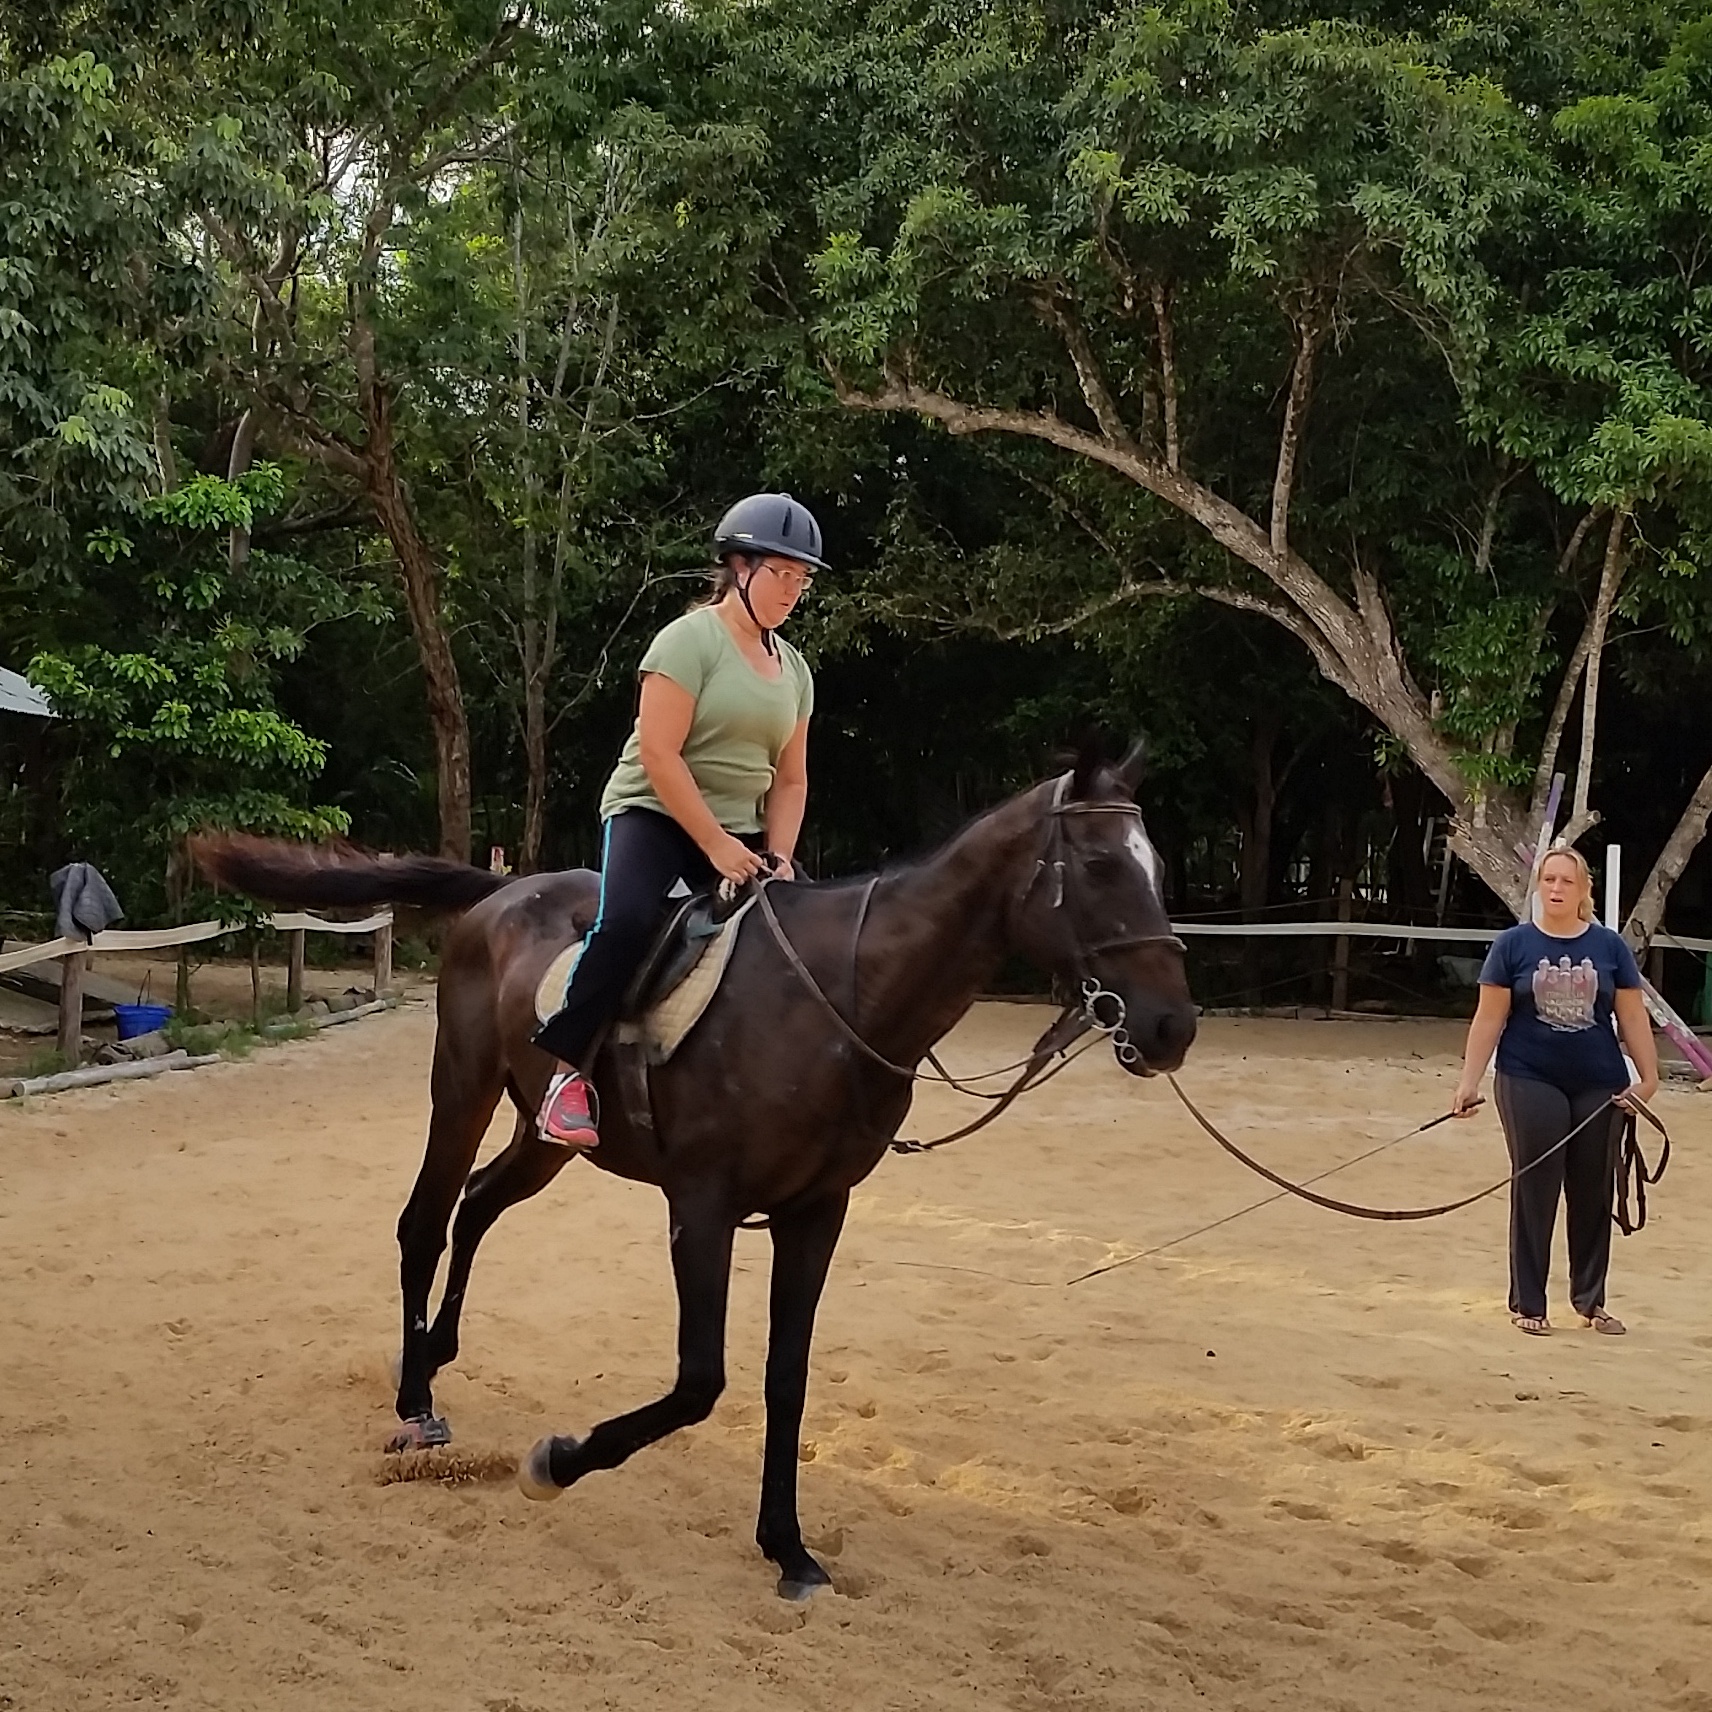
{"points": [[294, 941], [1340, 946], [383, 961], [71, 1009]]}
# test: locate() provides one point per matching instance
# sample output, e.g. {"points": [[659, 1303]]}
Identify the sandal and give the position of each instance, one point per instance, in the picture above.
{"points": [[1600, 1321], [1535, 1325]]}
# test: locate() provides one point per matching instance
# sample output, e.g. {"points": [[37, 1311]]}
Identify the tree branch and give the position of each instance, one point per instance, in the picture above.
{"points": [[488, 55], [1331, 667], [1644, 918], [1309, 331], [1088, 371], [1057, 500], [301, 430], [1553, 738], [261, 280], [340, 516], [1489, 519], [1343, 634], [163, 442], [1610, 578], [1167, 372], [1124, 595]]}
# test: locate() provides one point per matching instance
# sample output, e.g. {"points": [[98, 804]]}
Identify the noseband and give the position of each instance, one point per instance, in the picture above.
{"points": [[1102, 1009]]}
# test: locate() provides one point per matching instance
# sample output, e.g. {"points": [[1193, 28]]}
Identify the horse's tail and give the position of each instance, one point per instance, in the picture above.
{"points": [[337, 875]]}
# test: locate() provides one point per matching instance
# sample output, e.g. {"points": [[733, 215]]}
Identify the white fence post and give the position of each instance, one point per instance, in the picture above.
{"points": [[294, 947], [383, 961]]}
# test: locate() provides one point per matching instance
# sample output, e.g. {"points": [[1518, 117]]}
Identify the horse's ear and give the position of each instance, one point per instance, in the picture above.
{"points": [[1084, 770], [1133, 766]]}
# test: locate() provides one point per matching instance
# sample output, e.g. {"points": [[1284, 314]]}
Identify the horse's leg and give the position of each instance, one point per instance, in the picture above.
{"points": [[525, 1168], [803, 1241], [702, 1232], [467, 1083]]}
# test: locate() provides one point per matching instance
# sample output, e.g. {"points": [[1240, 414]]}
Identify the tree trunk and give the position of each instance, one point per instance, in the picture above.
{"points": [[420, 575], [1411, 877], [1581, 815], [1340, 945], [535, 754], [1255, 879], [164, 458], [1648, 913], [243, 455], [1254, 875]]}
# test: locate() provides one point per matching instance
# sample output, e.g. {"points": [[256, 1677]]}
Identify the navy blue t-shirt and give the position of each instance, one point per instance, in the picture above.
{"points": [[1562, 993]]}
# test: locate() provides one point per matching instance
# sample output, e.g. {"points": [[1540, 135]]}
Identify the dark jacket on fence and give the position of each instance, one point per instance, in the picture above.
{"points": [[83, 901]]}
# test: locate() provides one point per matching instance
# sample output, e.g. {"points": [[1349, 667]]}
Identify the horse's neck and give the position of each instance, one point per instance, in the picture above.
{"points": [[936, 932]]}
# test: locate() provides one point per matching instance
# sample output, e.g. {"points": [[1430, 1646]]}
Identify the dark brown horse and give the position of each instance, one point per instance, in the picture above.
{"points": [[770, 1106]]}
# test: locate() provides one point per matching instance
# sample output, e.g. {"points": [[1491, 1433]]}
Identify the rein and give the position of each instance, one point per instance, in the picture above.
{"points": [[1099, 1009], [1631, 1160], [1068, 1027]]}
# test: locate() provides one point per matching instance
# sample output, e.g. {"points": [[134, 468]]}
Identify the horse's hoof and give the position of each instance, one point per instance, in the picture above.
{"points": [[803, 1581], [535, 1473], [421, 1432]]}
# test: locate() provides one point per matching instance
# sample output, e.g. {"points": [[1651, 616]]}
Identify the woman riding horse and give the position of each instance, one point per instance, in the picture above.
{"points": [[712, 783]]}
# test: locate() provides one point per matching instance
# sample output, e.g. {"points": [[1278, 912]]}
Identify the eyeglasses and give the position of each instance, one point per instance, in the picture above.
{"points": [[798, 582]]}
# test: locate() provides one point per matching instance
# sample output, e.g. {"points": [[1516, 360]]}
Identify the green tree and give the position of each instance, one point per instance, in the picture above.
{"points": [[311, 169], [170, 717], [1285, 287]]}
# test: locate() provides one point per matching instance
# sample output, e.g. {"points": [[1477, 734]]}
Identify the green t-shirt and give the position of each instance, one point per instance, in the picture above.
{"points": [[741, 724]]}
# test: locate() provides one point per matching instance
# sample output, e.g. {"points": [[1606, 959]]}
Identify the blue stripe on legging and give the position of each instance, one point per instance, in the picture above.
{"points": [[605, 869]]}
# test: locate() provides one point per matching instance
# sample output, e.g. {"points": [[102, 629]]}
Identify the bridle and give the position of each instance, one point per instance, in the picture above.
{"points": [[1101, 1009], [1097, 1009]]}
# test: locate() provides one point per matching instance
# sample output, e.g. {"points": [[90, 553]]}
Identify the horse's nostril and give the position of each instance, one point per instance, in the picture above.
{"points": [[1173, 1035]]}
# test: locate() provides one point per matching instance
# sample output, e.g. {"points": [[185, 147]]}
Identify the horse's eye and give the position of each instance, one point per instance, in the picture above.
{"points": [[1102, 864]]}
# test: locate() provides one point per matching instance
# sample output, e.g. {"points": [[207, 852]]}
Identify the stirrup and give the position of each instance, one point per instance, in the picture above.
{"points": [[559, 1081]]}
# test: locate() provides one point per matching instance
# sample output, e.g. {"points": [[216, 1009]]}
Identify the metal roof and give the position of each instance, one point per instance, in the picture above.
{"points": [[19, 695]]}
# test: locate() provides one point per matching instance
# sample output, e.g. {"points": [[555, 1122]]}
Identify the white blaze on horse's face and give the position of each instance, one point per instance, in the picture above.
{"points": [[1137, 843]]}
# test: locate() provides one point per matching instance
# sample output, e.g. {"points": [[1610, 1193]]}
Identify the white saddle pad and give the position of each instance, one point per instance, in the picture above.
{"points": [[665, 1026]]}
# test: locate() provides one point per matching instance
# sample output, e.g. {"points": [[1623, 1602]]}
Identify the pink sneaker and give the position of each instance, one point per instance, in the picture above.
{"points": [[567, 1116]]}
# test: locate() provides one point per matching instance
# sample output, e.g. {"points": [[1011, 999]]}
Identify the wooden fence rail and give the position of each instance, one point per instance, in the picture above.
{"points": [[72, 954]]}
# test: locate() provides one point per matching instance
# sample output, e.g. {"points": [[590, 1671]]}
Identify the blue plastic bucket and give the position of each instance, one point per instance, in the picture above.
{"points": [[140, 1019]]}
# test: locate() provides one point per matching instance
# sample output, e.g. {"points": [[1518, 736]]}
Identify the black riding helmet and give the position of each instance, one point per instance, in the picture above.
{"points": [[768, 523]]}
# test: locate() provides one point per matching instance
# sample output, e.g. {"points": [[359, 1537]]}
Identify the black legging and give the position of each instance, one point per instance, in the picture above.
{"points": [[1536, 1116], [643, 854]]}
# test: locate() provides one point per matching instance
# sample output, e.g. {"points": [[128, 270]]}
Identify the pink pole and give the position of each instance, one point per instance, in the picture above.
{"points": [[1675, 1030]]}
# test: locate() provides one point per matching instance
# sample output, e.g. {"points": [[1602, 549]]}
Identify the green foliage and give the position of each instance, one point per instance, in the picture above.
{"points": [[171, 721], [590, 272], [1493, 224]]}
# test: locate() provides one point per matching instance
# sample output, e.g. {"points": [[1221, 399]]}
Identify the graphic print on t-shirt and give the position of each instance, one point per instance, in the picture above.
{"points": [[1564, 995]]}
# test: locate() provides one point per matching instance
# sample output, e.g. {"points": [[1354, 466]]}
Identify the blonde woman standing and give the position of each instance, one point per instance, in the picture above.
{"points": [[1549, 992]]}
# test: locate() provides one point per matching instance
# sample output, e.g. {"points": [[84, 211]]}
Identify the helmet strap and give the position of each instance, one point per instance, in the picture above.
{"points": [[741, 584]]}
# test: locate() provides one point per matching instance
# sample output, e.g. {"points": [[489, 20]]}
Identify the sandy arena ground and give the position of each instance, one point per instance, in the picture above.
{"points": [[1299, 1462]]}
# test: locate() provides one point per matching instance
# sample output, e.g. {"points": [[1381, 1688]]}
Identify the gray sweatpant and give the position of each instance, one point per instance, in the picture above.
{"points": [[1536, 1116]]}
